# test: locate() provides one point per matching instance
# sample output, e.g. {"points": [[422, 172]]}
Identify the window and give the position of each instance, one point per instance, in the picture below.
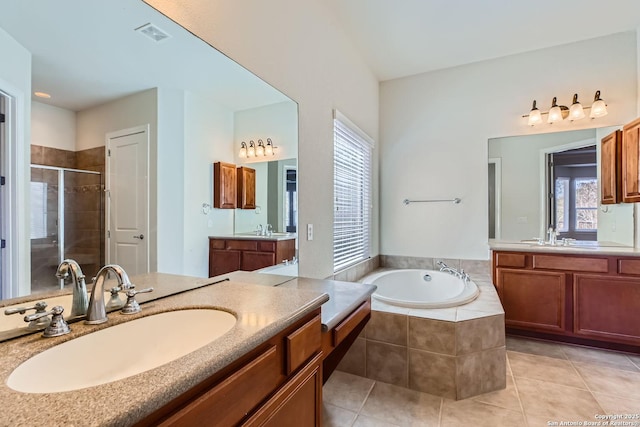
{"points": [[562, 205], [352, 193], [586, 212]]}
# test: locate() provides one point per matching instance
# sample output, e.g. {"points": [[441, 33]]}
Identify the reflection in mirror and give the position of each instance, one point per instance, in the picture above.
{"points": [[183, 103], [552, 180]]}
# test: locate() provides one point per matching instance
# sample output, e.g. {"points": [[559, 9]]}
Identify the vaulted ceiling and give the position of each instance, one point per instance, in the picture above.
{"points": [[406, 37]]}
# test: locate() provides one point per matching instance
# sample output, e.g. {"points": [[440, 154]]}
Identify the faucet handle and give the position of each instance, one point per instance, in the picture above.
{"points": [[57, 326], [38, 323], [132, 306]]}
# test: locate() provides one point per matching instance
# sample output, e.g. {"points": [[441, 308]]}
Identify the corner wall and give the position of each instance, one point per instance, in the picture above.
{"points": [[434, 129]]}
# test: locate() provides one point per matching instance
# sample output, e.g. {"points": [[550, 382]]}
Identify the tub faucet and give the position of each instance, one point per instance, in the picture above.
{"points": [[80, 302], [97, 313], [459, 274]]}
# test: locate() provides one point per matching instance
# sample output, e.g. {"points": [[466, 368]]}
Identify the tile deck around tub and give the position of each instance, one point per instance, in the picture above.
{"points": [[456, 352]]}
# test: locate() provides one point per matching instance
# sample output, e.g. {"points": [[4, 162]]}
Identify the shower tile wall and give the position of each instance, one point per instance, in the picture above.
{"points": [[84, 211]]}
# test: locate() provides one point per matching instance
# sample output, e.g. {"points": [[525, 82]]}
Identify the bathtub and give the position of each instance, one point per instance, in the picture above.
{"points": [[422, 288]]}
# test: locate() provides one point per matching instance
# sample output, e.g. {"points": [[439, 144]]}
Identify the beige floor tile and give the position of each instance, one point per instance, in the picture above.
{"points": [[600, 357], [332, 416], [617, 405], [606, 380], [635, 360], [401, 406], [472, 413], [364, 421], [507, 398], [541, 348], [346, 391], [542, 421], [544, 369], [556, 401]]}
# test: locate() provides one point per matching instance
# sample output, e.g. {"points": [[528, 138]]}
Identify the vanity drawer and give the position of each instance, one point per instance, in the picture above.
{"points": [[230, 401], [303, 343], [629, 266], [216, 244], [345, 327], [510, 260], [242, 245], [554, 262], [267, 246]]}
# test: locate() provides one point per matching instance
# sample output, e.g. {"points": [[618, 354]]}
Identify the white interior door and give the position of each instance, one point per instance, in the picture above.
{"points": [[128, 199]]}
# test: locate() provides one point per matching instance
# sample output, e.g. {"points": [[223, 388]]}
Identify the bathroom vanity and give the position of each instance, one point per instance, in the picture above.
{"points": [[266, 370], [586, 295], [249, 252]]}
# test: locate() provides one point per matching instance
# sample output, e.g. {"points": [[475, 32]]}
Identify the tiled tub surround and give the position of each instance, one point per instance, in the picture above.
{"points": [[456, 352]]}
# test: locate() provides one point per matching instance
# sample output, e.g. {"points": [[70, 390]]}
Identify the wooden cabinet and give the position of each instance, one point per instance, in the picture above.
{"points": [[246, 190], [611, 168], [533, 299], [224, 185], [257, 390], [631, 162], [227, 255], [584, 299]]}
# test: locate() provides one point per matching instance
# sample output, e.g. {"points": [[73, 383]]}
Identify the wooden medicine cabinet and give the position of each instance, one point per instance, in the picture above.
{"points": [[224, 185]]}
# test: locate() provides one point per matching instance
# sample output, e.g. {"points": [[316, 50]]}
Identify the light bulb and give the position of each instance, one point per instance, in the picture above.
{"points": [[268, 150], [598, 108], [576, 112], [243, 150], [260, 148], [555, 113], [535, 116], [251, 152]]}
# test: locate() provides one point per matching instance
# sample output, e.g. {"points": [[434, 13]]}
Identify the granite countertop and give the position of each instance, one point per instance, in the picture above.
{"points": [[344, 297], [262, 311], [582, 248], [254, 236]]}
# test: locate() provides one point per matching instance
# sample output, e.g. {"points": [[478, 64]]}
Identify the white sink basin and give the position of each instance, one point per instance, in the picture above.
{"points": [[120, 351], [15, 321]]}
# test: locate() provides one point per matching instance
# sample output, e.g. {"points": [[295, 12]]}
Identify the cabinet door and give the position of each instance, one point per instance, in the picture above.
{"points": [[224, 185], [223, 262], [297, 404], [256, 260], [610, 168], [533, 300], [606, 308], [246, 188], [630, 162]]}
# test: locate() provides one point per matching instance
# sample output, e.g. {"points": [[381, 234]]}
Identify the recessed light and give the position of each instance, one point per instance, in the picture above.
{"points": [[153, 32], [42, 95]]}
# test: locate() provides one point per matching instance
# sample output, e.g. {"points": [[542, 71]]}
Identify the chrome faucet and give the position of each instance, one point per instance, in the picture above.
{"points": [[268, 230], [259, 230], [552, 236], [97, 313], [80, 302], [459, 274]]}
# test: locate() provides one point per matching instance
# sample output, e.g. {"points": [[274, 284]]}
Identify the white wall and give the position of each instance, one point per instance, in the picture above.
{"points": [[434, 129], [53, 126], [208, 138], [15, 81], [276, 121], [299, 48], [92, 125]]}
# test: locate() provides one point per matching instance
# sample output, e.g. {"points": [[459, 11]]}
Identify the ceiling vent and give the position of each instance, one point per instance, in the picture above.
{"points": [[153, 32]]}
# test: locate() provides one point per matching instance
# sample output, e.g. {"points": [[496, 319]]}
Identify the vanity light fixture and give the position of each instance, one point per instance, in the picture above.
{"points": [[557, 113], [260, 148], [253, 150], [268, 150]]}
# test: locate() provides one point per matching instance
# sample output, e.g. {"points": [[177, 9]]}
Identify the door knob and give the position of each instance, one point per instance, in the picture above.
{"points": [[141, 237]]}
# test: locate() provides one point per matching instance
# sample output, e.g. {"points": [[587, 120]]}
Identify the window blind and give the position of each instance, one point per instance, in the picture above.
{"points": [[352, 194]]}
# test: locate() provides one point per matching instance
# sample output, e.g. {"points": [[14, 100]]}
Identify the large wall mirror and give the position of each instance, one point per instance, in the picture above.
{"points": [[553, 180], [132, 112]]}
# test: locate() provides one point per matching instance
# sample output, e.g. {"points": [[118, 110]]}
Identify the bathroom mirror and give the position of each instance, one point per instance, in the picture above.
{"points": [[519, 204], [108, 71]]}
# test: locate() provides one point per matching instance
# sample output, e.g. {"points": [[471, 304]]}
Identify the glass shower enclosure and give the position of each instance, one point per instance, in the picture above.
{"points": [[67, 221]]}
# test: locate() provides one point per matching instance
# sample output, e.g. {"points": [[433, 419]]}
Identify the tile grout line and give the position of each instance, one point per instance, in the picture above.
{"points": [[575, 368], [515, 386], [363, 403]]}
